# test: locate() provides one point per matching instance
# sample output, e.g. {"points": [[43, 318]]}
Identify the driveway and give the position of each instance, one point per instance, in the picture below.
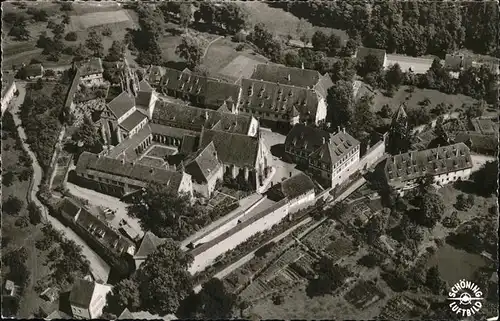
{"points": [[106, 201]]}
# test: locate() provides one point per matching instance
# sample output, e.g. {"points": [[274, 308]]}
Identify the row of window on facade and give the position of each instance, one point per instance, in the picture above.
{"points": [[109, 181]]}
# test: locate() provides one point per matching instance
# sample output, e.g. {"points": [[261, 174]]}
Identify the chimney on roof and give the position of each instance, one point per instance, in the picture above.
{"points": [[302, 65], [324, 140], [343, 129], [288, 77], [338, 129], [206, 114]]}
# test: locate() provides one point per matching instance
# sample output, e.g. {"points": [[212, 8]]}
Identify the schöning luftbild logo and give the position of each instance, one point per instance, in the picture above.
{"points": [[466, 297]]}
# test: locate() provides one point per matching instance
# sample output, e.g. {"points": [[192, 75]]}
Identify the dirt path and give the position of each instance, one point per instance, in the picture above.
{"points": [[209, 44], [97, 265]]}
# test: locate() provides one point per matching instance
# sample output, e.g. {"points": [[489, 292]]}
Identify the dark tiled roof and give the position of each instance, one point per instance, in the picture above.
{"points": [[217, 92], [143, 98], [73, 89], [306, 138], [319, 144], [233, 149], [69, 207], [325, 83], [127, 171], [186, 82], [145, 86], [81, 293], [127, 146], [193, 118], [121, 104], [106, 235], [204, 165], [286, 75], [189, 144], [297, 185], [149, 244], [363, 52], [171, 131], [277, 98], [91, 66], [133, 120], [434, 161], [34, 70]]}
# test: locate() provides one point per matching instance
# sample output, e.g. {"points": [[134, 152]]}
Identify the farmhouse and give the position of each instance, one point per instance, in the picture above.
{"points": [[445, 164], [33, 71], [362, 53], [91, 71], [244, 158], [88, 298], [98, 229], [205, 170], [8, 89], [117, 177], [330, 157]]}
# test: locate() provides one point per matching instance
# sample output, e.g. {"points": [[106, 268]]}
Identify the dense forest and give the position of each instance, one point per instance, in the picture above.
{"points": [[412, 28]]}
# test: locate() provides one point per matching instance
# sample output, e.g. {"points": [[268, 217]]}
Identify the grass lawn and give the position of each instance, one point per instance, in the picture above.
{"points": [[83, 17], [417, 96], [282, 23], [161, 151], [22, 237]]}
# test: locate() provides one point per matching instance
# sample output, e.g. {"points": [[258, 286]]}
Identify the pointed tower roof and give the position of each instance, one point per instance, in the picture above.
{"points": [[400, 114]]}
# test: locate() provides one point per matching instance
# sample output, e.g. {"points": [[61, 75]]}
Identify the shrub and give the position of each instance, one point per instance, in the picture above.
{"points": [[71, 36], [107, 32], [21, 222], [240, 47]]}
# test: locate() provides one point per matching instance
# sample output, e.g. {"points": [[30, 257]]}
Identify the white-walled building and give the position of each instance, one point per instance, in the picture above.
{"points": [[91, 72], [205, 169], [88, 298], [8, 90], [445, 164], [331, 157]]}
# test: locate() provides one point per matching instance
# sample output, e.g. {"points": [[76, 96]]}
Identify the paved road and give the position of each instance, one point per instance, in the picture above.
{"points": [[97, 265]]}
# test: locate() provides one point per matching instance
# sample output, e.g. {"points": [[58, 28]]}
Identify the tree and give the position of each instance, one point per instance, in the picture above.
{"points": [[71, 36], [266, 43], [34, 213], [88, 135], [394, 76], [58, 30], [371, 259], [371, 64], [107, 32], [20, 32], [330, 277], [375, 227], [165, 213], [185, 14], [333, 44], [340, 104], [215, 302], [462, 203], [191, 50], [125, 294], [386, 111], [433, 280], [485, 178], [8, 178], [95, 44], [338, 210], [363, 120], [432, 209], [66, 20], [164, 280], [319, 41], [12, 205], [66, 6], [116, 51]]}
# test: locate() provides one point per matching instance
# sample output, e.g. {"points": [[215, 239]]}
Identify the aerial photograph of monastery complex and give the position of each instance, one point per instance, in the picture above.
{"points": [[250, 160]]}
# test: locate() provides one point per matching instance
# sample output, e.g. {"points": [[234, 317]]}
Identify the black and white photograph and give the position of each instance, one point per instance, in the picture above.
{"points": [[250, 160]]}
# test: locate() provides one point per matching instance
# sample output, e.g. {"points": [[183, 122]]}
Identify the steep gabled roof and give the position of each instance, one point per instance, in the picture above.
{"points": [[69, 207], [306, 138], [91, 66], [218, 92], [133, 120], [34, 70], [340, 145], [297, 185], [436, 161], [232, 149], [149, 244], [121, 104], [81, 293], [278, 98], [287, 75], [204, 165], [363, 52]]}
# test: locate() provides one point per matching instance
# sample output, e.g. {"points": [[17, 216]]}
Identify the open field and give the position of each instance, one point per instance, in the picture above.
{"points": [[82, 19], [283, 23], [417, 96]]}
